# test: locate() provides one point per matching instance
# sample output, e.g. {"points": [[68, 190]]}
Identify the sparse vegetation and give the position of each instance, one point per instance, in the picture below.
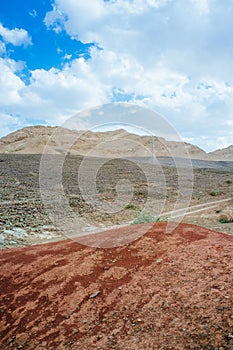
{"points": [[213, 193], [21, 204], [143, 216], [225, 221], [226, 216], [131, 206], [229, 182]]}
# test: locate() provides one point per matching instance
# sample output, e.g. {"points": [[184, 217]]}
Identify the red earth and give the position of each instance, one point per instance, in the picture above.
{"points": [[162, 291]]}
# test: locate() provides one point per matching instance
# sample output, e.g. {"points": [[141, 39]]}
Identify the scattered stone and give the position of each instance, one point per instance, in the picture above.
{"points": [[21, 340], [95, 294]]}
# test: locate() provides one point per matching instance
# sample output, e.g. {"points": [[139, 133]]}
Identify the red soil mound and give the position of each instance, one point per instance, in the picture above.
{"points": [[163, 291]]}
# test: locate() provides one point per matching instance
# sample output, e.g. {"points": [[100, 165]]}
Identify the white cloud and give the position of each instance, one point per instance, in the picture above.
{"points": [[15, 36], [203, 6], [208, 143], [10, 83], [67, 56], [8, 123], [54, 19], [33, 13], [229, 122], [2, 47], [72, 87], [51, 95]]}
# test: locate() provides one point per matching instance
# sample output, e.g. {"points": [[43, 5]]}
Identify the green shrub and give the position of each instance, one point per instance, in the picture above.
{"points": [[131, 206], [229, 182], [213, 193], [225, 221], [226, 217], [143, 216]]}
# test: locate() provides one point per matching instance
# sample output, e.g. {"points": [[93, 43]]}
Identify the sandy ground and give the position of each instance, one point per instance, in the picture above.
{"points": [[162, 291]]}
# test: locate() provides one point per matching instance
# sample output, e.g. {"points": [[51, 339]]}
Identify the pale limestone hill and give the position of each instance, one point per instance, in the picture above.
{"points": [[224, 153], [117, 143]]}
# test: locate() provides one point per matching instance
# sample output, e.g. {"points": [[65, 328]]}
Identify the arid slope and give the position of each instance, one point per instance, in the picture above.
{"points": [[163, 291]]}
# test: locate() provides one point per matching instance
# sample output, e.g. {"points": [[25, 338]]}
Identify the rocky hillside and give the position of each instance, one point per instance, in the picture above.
{"points": [[32, 140], [224, 153]]}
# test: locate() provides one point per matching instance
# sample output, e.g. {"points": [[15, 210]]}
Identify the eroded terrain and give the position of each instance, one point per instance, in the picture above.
{"points": [[25, 221]]}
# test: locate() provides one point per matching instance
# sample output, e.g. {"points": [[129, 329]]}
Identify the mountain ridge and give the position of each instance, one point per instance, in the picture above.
{"points": [[33, 139]]}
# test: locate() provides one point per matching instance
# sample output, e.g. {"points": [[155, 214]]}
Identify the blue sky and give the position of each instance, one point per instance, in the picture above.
{"points": [[59, 57], [47, 49]]}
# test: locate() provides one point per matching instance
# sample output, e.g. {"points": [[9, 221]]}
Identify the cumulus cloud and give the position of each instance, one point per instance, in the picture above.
{"points": [[68, 89], [10, 83], [15, 36], [9, 123], [52, 95]]}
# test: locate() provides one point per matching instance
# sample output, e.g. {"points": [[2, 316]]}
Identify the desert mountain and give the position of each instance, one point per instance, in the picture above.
{"points": [[32, 140], [224, 153]]}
